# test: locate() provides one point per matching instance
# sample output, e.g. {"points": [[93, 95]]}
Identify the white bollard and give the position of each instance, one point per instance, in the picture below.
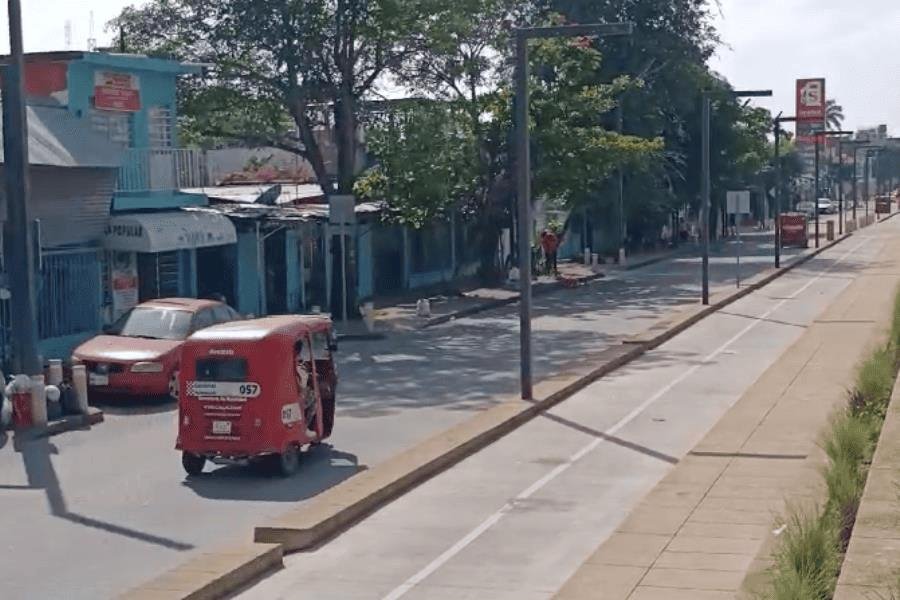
{"points": [[38, 401], [423, 308], [621, 257], [55, 371], [79, 384], [587, 257], [595, 260]]}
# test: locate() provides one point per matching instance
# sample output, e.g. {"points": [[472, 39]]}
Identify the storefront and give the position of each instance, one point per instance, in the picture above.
{"points": [[165, 254]]}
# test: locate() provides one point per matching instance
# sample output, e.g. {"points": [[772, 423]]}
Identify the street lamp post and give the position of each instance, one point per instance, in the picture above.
{"points": [[778, 177], [819, 135], [19, 259], [523, 171], [705, 184]]}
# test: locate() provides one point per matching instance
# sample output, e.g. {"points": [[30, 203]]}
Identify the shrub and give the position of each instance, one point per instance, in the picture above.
{"points": [[808, 558]]}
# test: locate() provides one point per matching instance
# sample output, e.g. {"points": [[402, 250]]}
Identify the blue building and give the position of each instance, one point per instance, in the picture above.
{"points": [[142, 243]]}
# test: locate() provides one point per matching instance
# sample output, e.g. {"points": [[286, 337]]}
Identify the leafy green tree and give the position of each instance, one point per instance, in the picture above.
{"points": [[281, 70]]}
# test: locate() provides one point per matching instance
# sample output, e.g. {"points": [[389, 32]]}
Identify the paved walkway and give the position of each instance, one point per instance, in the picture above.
{"points": [[713, 518]]}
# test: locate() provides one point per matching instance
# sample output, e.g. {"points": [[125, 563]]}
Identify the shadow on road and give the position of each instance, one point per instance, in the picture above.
{"points": [[36, 455], [323, 467]]}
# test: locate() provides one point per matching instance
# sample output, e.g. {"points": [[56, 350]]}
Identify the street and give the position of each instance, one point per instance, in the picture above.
{"points": [[120, 491], [516, 519]]}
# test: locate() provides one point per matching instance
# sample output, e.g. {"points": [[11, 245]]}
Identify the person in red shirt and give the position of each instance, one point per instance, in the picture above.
{"points": [[550, 245]]}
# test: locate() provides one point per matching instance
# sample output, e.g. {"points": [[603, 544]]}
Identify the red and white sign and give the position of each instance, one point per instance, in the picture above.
{"points": [[117, 91], [811, 100]]}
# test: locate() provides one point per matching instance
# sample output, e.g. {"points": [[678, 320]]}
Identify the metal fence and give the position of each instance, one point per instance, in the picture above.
{"points": [[68, 294], [149, 169]]}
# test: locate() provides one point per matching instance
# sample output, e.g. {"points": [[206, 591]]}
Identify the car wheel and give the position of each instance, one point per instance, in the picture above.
{"points": [[193, 463], [173, 386], [289, 462]]}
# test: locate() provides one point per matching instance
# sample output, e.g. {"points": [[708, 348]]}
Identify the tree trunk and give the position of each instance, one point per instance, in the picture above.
{"points": [[345, 137], [313, 149]]}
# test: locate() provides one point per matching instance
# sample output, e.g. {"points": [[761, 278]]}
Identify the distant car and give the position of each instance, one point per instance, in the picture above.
{"points": [[827, 207], [139, 354]]}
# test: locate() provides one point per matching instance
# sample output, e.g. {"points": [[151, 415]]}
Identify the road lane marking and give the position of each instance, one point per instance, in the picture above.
{"points": [[492, 520]]}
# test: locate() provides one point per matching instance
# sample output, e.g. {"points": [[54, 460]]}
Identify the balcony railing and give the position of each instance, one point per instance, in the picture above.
{"points": [[152, 169]]}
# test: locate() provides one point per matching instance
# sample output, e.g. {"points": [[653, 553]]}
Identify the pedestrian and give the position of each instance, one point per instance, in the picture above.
{"points": [[550, 244]]}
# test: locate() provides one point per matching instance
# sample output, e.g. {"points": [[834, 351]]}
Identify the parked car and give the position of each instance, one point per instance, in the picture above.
{"points": [[827, 207], [139, 354]]}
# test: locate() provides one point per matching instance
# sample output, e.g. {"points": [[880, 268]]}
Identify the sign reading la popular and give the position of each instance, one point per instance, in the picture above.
{"points": [[810, 100], [117, 91]]}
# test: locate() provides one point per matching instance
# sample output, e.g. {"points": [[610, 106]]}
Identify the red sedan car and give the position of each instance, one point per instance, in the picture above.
{"points": [[138, 355]]}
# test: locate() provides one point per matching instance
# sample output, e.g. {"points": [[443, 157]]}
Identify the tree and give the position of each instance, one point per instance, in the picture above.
{"points": [[281, 71], [834, 115]]}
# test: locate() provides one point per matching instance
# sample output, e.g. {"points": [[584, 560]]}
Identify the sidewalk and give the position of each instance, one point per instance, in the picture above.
{"points": [[713, 519], [402, 316]]}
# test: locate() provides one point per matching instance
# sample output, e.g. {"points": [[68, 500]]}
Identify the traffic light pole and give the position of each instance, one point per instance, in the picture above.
{"points": [[18, 253]]}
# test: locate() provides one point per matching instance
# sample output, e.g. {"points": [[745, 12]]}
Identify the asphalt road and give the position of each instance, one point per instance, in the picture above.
{"points": [[90, 514], [515, 520]]}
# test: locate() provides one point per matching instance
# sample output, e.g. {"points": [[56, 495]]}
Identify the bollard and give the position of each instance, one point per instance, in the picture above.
{"points": [[621, 257], [830, 231], [55, 371], [79, 383], [587, 257], [595, 260], [38, 401]]}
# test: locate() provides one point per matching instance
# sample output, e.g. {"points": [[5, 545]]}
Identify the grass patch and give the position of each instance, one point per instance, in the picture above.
{"points": [[809, 555]]}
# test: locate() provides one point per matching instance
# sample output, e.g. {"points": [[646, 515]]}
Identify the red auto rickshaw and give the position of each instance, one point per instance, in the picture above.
{"points": [[256, 389]]}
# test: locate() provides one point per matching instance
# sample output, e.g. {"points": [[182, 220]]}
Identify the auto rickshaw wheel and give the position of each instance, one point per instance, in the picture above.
{"points": [[288, 462], [193, 463]]}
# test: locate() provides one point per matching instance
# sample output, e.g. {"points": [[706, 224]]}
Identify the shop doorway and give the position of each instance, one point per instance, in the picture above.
{"points": [[158, 275], [337, 296], [215, 272], [276, 273]]}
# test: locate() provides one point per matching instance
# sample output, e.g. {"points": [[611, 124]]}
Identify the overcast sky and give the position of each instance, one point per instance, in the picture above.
{"points": [[768, 44]]}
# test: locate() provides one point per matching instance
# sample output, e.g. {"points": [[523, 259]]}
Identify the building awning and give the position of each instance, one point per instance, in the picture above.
{"points": [[166, 231]]}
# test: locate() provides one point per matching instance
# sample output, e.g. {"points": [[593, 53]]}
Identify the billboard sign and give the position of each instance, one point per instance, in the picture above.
{"points": [[810, 100], [117, 91]]}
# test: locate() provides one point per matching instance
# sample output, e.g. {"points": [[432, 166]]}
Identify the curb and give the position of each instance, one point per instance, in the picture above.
{"points": [[337, 508], [541, 290], [67, 423]]}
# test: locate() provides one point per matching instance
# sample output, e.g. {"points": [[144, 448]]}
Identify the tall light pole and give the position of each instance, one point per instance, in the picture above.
{"points": [[706, 109], [19, 260], [523, 171], [778, 184], [819, 135]]}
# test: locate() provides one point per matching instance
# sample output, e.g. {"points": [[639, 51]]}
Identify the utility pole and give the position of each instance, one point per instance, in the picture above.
{"points": [[778, 185], [523, 170], [18, 253], [620, 189], [816, 198], [705, 175], [704, 194]]}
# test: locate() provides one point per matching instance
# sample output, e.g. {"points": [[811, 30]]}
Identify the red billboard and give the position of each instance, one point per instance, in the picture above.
{"points": [[117, 91], [811, 100]]}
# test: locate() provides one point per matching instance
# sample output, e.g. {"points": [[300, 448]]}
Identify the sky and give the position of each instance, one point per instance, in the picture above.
{"points": [[855, 45]]}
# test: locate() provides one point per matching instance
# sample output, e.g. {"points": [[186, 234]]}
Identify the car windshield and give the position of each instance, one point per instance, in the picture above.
{"points": [[154, 323]]}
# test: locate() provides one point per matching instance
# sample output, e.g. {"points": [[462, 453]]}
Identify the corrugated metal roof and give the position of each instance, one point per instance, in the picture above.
{"points": [[56, 138], [249, 194], [302, 213]]}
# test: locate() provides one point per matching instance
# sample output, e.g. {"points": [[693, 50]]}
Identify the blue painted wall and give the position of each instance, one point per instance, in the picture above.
{"points": [[157, 87], [247, 279]]}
